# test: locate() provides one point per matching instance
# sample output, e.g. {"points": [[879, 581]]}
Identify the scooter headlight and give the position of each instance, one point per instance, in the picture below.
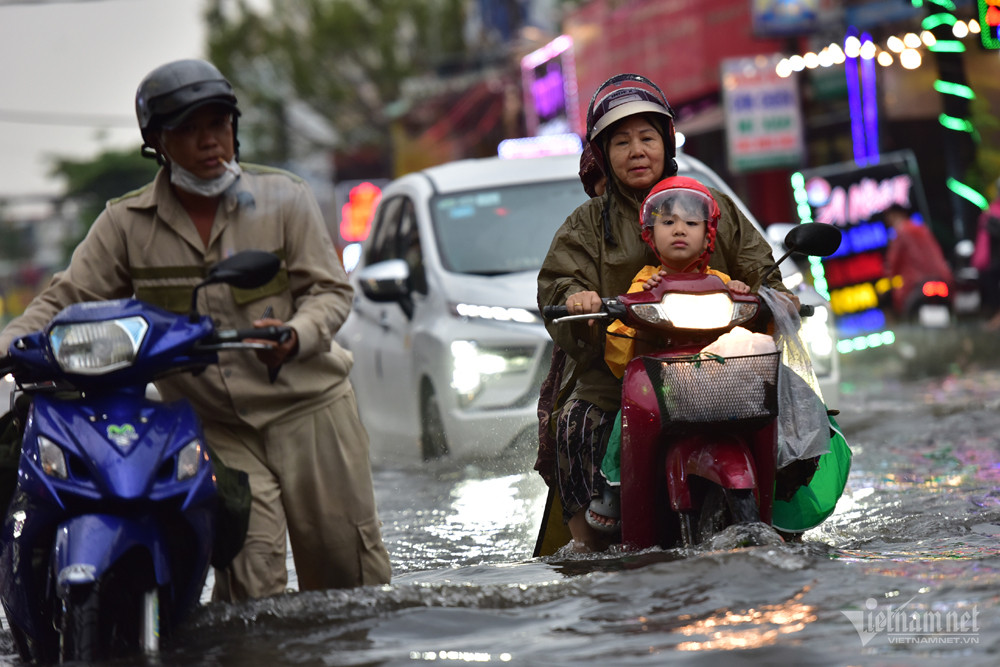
{"points": [[188, 460], [53, 460], [696, 311], [93, 348]]}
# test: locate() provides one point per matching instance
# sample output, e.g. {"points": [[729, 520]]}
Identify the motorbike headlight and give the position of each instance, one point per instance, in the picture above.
{"points": [[696, 311], [93, 348], [53, 460], [188, 460]]}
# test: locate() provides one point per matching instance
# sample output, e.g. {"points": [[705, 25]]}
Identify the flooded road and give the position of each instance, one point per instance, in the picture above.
{"points": [[906, 572]]}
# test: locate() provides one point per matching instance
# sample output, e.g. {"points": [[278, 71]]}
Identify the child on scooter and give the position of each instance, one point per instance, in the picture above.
{"points": [[679, 219]]}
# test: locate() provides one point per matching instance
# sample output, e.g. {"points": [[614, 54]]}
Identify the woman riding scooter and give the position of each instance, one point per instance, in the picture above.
{"points": [[596, 252]]}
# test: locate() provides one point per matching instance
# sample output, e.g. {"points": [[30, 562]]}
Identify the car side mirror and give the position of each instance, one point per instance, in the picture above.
{"points": [[386, 282]]}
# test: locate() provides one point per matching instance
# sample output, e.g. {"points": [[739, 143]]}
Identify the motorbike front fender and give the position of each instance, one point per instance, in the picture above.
{"points": [[727, 462], [88, 546]]}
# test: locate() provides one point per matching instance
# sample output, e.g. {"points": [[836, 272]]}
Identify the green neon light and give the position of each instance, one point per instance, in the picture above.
{"points": [[877, 339], [936, 20], [816, 267], [956, 89], [964, 191], [947, 46], [818, 272], [956, 124]]}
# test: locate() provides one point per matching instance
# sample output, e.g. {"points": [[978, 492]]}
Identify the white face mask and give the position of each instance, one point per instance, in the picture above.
{"points": [[188, 182]]}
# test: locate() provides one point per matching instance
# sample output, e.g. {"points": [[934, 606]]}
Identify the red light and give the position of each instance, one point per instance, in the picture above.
{"points": [[935, 288], [356, 215]]}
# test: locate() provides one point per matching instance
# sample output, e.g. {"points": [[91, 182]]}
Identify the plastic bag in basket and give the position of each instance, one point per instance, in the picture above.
{"points": [[748, 381]]}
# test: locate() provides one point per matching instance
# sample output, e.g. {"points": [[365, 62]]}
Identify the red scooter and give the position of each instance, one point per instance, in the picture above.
{"points": [[699, 432]]}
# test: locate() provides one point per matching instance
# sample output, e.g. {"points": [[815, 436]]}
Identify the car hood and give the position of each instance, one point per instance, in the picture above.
{"points": [[510, 290]]}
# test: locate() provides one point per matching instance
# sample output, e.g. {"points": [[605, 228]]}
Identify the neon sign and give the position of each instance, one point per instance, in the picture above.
{"points": [[548, 78], [850, 197], [858, 201]]}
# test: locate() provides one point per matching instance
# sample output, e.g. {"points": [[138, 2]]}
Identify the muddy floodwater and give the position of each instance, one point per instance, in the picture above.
{"points": [[906, 572]]}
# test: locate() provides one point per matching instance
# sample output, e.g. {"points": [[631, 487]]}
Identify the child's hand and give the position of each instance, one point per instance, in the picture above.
{"points": [[653, 280], [738, 286]]}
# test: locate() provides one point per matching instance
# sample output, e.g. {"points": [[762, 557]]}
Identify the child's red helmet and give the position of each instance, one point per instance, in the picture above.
{"points": [[687, 194]]}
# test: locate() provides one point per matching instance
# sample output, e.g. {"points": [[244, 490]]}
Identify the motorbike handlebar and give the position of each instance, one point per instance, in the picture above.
{"points": [[552, 312], [279, 334], [611, 309]]}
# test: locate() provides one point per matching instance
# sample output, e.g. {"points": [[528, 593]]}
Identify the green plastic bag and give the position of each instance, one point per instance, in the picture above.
{"points": [[611, 465], [814, 502]]}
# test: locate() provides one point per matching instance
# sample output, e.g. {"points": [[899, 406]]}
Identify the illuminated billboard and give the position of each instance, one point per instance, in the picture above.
{"points": [[548, 78], [849, 197]]}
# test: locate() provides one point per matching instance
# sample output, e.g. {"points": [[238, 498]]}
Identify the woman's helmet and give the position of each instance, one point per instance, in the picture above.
{"points": [[625, 95], [171, 92], [686, 197]]}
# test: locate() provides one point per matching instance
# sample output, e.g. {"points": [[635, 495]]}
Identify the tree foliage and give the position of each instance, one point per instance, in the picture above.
{"points": [[346, 59], [94, 181]]}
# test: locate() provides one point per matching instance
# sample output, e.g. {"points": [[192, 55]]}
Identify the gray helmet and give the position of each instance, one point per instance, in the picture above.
{"points": [[625, 95], [171, 92]]}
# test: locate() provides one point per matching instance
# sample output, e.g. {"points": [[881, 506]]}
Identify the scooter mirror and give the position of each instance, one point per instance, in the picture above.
{"points": [[814, 238], [247, 269]]}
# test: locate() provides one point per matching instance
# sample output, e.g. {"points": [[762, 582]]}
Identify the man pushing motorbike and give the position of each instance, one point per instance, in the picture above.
{"points": [[296, 434]]}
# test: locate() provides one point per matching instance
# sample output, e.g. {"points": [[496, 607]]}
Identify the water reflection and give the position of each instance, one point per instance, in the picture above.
{"points": [[482, 509], [750, 628]]}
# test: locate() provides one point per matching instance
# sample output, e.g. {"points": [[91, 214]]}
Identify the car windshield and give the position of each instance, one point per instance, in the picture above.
{"points": [[500, 230]]}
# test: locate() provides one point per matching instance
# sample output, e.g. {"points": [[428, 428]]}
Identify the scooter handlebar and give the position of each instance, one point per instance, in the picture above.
{"points": [[552, 312], [237, 337]]}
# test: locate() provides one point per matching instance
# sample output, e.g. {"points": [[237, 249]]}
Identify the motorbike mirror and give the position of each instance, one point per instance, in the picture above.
{"points": [[247, 269], [813, 238], [810, 238]]}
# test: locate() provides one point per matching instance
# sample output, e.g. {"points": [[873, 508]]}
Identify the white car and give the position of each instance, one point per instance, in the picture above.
{"points": [[449, 347]]}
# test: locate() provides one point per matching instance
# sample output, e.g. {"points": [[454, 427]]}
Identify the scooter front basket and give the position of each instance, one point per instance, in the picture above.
{"points": [[709, 388]]}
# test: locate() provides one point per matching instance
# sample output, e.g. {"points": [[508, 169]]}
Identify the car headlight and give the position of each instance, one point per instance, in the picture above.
{"points": [[472, 365], [817, 332], [53, 460], [93, 348], [188, 460], [495, 313], [696, 311]]}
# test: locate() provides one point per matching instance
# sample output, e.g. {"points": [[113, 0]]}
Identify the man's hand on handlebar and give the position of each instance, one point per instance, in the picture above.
{"points": [[276, 353]]}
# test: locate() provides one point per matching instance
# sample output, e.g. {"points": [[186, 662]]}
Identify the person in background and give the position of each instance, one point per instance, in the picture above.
{"points": [[679, 221], [986, 260], [914, 255], [591, 175], [299, 438], [596, 252]]}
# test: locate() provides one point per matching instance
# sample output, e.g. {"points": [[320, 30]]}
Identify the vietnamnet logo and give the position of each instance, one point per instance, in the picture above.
{"points": [[903, 625]]}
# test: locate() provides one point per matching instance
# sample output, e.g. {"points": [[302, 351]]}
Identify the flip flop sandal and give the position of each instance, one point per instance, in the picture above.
{"points": [[607, 506]]}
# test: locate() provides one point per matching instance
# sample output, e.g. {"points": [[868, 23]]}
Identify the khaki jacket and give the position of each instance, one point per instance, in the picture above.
{"points": [[581, 259], [145, 244]]}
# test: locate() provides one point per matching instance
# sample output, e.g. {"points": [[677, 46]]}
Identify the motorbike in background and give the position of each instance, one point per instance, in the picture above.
{"points": [[109, 535], [699, 445]]}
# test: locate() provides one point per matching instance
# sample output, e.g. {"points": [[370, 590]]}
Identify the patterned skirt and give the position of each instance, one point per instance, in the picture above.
{"points": [[582, 431]]}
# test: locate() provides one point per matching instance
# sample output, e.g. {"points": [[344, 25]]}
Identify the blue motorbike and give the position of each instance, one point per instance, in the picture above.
{"points": [[109, 534]]}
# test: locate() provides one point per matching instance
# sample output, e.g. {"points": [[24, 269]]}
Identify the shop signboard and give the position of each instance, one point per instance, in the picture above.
{"points": [[763, 117]]}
